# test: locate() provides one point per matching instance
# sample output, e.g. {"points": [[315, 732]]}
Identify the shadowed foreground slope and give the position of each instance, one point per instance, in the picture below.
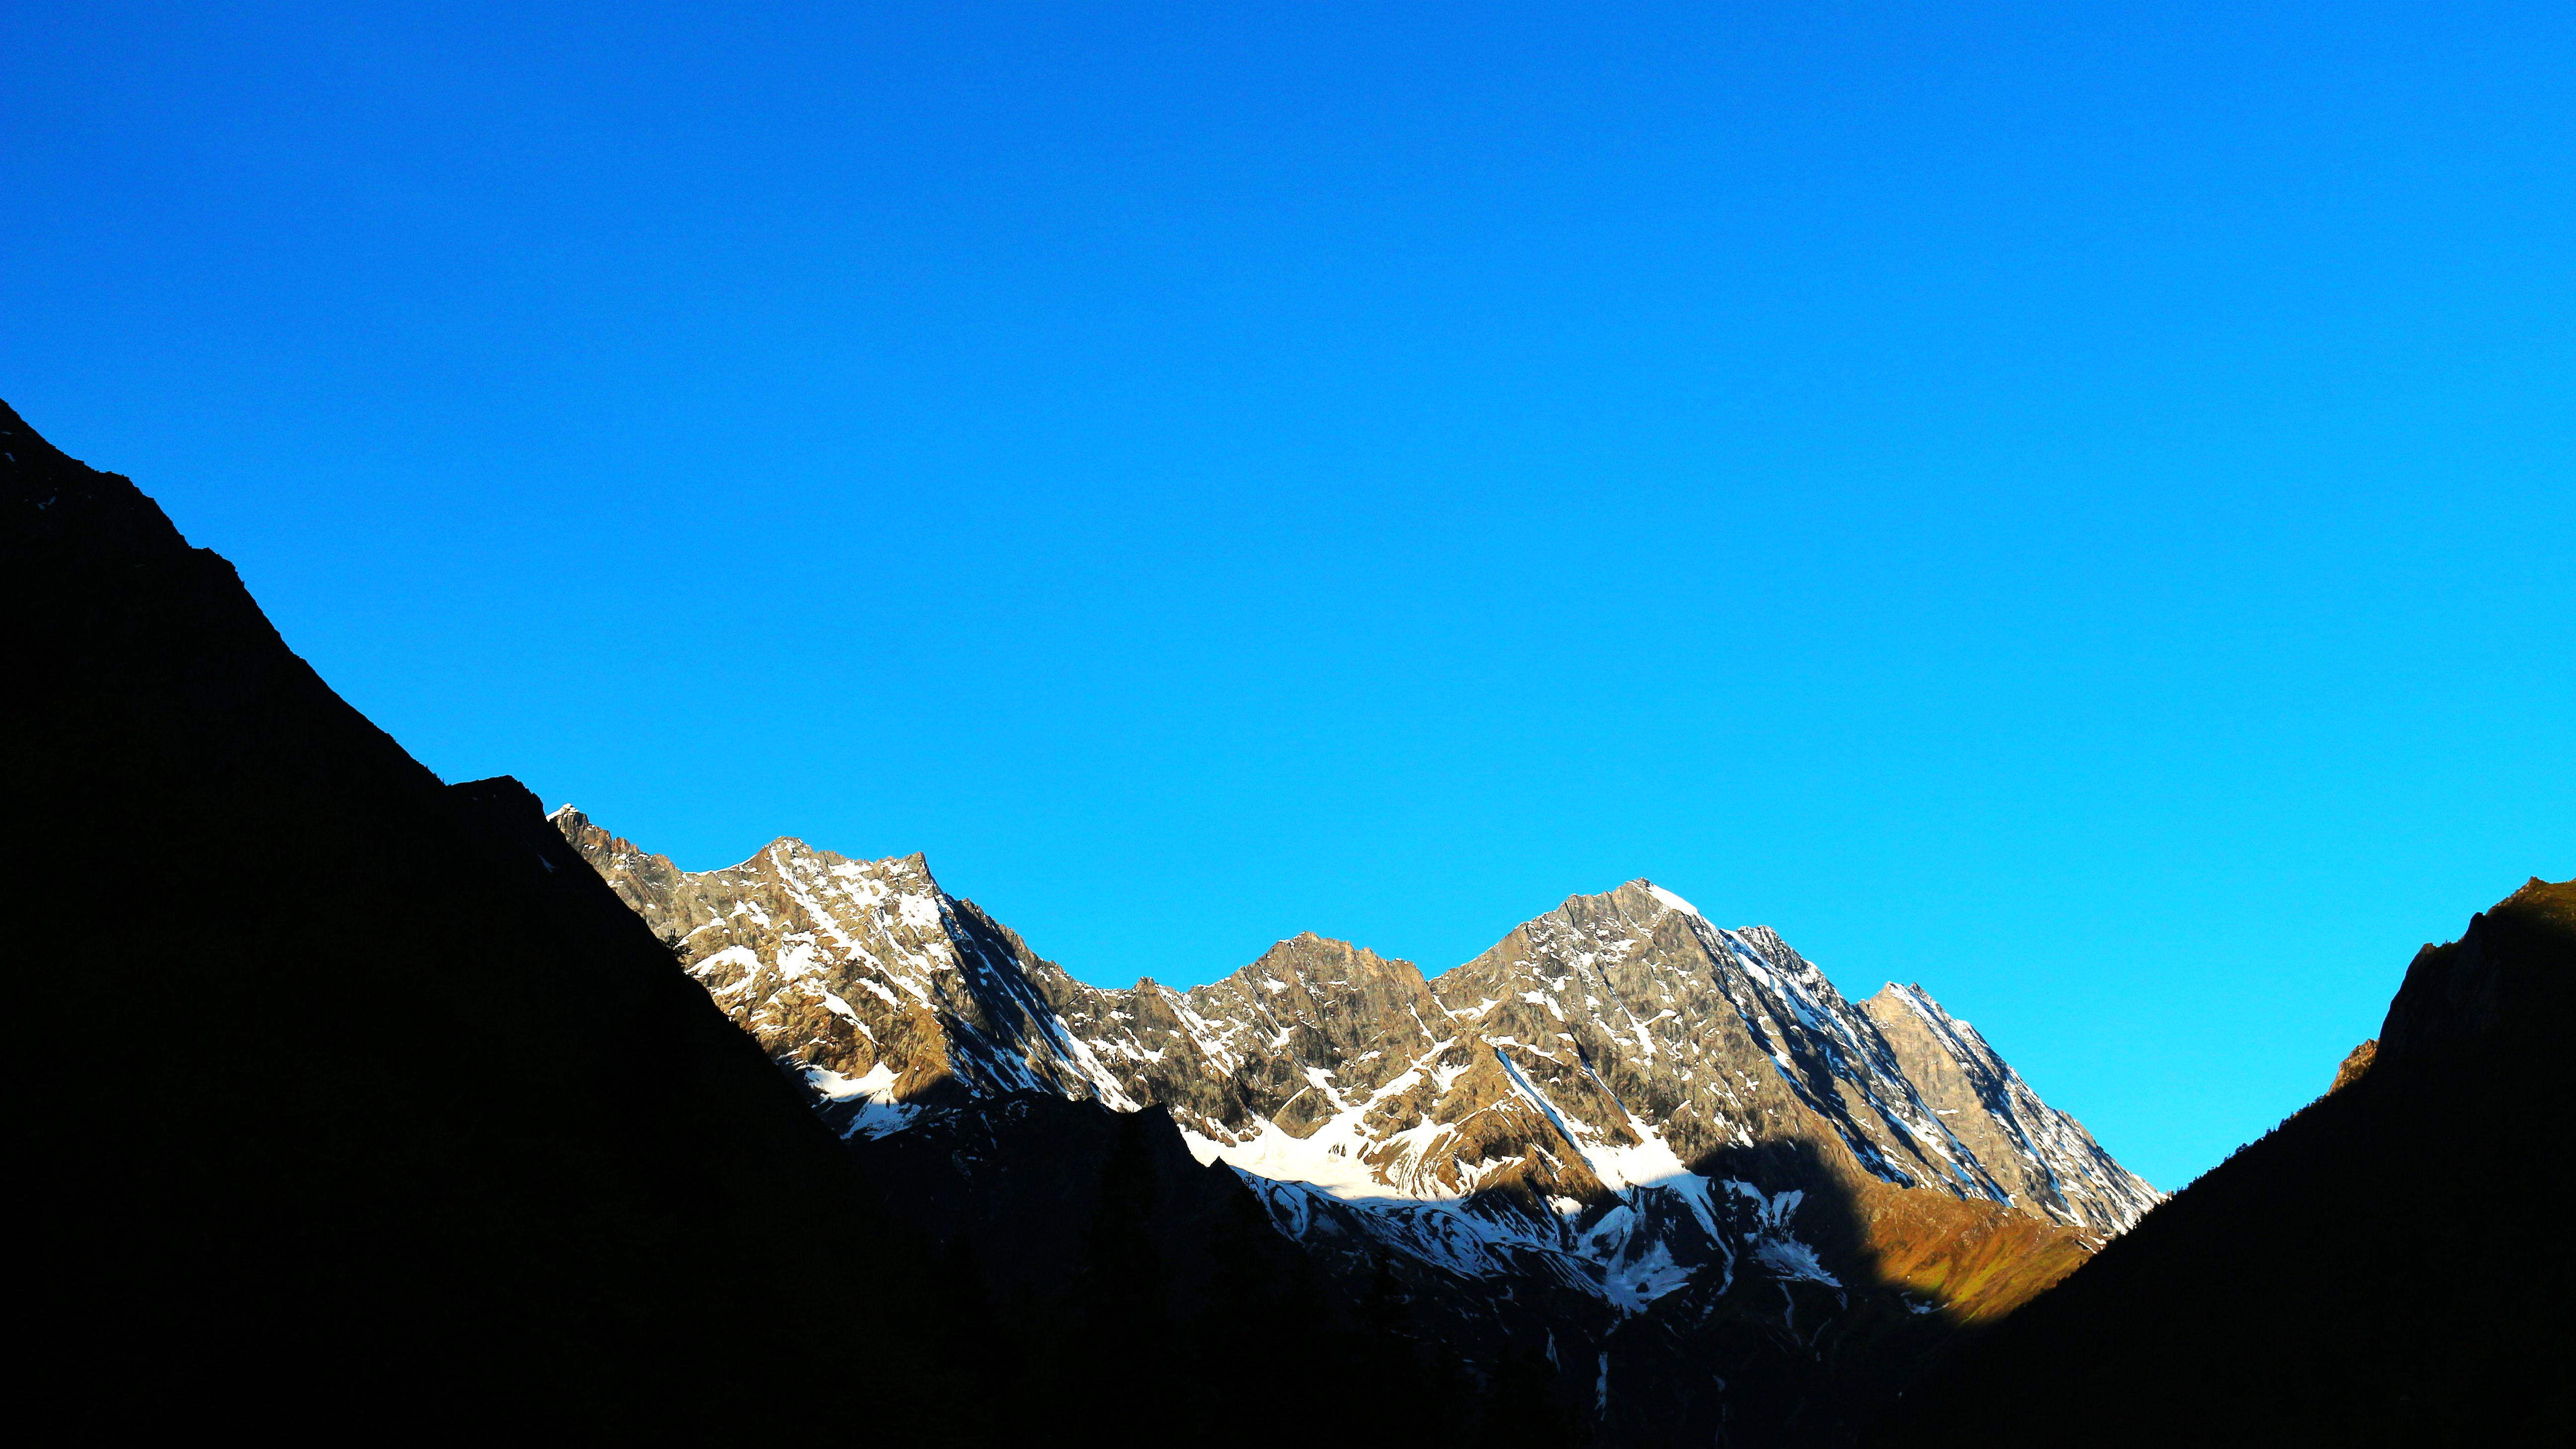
{"points": [[2380, 1268], [354, 1100], [367, 1108]]}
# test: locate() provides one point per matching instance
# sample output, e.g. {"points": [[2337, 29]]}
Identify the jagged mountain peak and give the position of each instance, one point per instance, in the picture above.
{"points": [[1618, 1101], [1670, 900], [577, 826], [1320, 960], [1638, 921], [1619, 1022], [2033, 1152], [2460, 991]]}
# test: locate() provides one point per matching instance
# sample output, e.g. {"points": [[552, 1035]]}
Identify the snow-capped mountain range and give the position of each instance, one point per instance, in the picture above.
{"points": [[1620, 1094]]}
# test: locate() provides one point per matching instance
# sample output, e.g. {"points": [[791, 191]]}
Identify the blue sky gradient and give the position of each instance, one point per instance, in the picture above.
{"points": [[2071, 507]]}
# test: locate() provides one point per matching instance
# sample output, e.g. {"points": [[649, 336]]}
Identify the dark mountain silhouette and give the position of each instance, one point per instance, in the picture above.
{"points": [[366, 1108], [2379, 1268], [371, 1109]]}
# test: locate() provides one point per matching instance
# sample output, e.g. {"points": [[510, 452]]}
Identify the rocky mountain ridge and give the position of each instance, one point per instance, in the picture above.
{"points": [[1625, 1179], [459, 1145], [1619, 1094]]}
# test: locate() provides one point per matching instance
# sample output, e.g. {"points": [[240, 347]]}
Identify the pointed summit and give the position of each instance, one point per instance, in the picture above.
{"points": [[1612, 1020], [2041, 1157], [1619, 1099], [1667, 897]]}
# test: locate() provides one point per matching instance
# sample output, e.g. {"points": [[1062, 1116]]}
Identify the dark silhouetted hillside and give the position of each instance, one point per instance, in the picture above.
{"points": [[355, 1100], [2380, 1268], [359, 1104]]}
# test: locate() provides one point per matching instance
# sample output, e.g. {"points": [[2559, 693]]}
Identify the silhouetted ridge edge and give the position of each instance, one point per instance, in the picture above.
{"points": [[2376, 1269]]}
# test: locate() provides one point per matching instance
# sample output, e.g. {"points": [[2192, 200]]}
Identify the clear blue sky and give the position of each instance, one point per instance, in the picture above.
{"points": [[2068, 505]]}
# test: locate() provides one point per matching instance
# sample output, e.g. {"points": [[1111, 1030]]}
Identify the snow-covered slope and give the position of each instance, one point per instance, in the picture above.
{"points": [[1619, 1095]]}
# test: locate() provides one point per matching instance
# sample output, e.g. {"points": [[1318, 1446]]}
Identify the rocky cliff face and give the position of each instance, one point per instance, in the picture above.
{"points": [[1620, 1096], [2034, 1154]]}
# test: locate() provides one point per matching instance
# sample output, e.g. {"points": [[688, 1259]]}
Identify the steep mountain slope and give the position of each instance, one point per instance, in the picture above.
{"points": [[1729, 1042], [2380, 1268], [1618, 1138], [368, 1111], [317, 1142], [2030, 1151]]}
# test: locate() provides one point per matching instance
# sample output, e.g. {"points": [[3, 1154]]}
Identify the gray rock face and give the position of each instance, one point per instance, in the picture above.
{"points": [[1619, 1092], [2038, 1156]]}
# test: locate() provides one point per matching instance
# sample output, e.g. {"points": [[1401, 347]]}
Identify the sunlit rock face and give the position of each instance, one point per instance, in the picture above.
{"points": [[1619, 1089]]}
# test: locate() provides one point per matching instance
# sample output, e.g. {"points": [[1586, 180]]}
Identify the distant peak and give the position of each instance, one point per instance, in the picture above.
{"points": [[1669, 899], [1307, 954], [917, 863], [1914, 996], [1307, 941]]}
